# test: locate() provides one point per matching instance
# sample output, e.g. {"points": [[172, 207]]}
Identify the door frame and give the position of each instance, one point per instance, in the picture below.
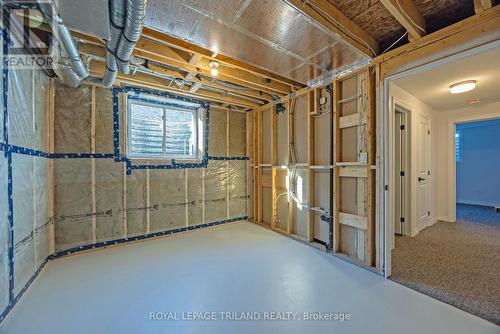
{"points": [[399, 106], [385, 191]]}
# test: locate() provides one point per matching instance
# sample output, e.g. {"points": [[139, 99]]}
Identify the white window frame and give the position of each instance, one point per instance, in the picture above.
{"points": [[197, 154]]}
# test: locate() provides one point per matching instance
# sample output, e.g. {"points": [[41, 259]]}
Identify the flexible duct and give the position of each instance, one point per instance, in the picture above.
{"points": [[74, 72], [136, 12], [117, 14]]}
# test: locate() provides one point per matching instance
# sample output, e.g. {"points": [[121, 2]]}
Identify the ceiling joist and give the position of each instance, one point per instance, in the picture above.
{"points": [[407, 15], [480, 5], [331, 18], [180, 44]]}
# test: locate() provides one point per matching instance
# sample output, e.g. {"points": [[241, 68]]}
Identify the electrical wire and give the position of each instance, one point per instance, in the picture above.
{"points": [[396, 42]]}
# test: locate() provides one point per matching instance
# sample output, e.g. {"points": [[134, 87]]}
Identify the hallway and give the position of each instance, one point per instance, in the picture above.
{"points": [[455, 263]]}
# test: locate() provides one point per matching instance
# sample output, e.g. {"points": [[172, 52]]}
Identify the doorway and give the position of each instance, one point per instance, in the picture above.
{"points": [[477, 160]]}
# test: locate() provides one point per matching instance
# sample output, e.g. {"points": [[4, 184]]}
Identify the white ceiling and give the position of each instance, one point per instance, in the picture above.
{"points": [[432, 87]]}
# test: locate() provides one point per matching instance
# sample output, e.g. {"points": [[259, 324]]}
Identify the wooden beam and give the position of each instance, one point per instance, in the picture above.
{"points": [[330, 18], [336, 158], [480, 5], [147, 48], [332, 14], [93, 165], [474, 31], [312, 102], [407, 15], [205, 53], [50, 162]]}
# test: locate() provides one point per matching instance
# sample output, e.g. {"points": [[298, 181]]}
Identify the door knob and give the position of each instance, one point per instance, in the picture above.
{"points": [[421, 179]]}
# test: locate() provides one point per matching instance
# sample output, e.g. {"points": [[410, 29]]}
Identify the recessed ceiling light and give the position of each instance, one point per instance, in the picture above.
{"points": [[462, 87], [474, 101]]}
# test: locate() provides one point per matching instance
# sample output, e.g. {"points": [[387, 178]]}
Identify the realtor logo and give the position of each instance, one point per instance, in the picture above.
{"points": [[27, 34]]}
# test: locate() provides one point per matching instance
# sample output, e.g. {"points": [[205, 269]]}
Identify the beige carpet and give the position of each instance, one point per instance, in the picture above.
{"points": [[457, 263]]}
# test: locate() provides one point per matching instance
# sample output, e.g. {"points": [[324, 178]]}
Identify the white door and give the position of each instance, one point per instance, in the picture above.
{"points": [[423, 172]]}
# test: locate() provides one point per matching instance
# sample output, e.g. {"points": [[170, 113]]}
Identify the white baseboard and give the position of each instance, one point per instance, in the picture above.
{"points": [[446, 219]]}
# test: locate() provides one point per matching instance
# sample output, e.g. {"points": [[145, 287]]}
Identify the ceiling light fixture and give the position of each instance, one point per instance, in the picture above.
{"points": [[213, 68], [462, 87]]}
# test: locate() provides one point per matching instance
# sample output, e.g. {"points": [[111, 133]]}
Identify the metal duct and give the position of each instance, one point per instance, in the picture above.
{"points": [[66, 44], [229, 84], [117, 13], [206, 87], [136, 13], [62, 66]]}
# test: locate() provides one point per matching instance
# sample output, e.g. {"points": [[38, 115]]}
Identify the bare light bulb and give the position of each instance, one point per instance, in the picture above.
{"points": [[214, 72]]}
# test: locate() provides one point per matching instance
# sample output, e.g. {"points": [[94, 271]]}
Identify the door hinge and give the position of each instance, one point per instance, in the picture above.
{"points": [[428, 132], [428, 172], [402, 219], [386, 187], [402, 173], [428, 213], [401, 127]]}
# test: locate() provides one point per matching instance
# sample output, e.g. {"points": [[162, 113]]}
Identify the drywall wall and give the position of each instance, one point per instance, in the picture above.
{"points": [[24, 215], [479, 163], [97, 199], [416, 108], [446, 150]]}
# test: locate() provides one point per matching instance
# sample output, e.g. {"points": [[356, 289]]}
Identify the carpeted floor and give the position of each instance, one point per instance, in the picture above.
{"points": [[457, 263]]}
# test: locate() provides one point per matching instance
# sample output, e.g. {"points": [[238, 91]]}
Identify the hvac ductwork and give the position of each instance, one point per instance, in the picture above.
{"points": [[136, 12], [69, 65], [126, 23]]}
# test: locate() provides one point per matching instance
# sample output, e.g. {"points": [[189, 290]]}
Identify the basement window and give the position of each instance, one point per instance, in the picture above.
{"points": [[163, 129]]}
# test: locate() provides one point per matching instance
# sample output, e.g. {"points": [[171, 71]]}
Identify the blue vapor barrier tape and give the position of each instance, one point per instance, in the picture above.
{"points": [[8, 155], [5, 83], [11, 305], [161, 103], [81, 155], [28, 151], [227, 158], [10, 216], [144, 236]]}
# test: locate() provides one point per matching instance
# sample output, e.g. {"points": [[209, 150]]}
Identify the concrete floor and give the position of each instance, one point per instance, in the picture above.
{"points": [[239, 267]]}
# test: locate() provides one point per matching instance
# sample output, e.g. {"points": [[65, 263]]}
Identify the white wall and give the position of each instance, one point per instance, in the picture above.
{"points": [[416, 108], [446, 151], [477, 171]]}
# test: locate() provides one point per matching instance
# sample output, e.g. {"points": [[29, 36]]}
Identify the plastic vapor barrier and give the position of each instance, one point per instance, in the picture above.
{"points": [[100, 198], [4, 239], [27, 129]]}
